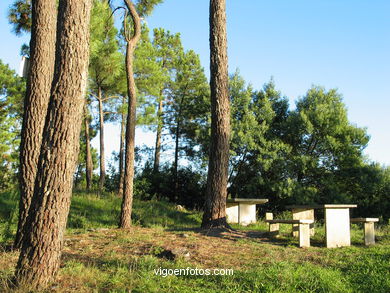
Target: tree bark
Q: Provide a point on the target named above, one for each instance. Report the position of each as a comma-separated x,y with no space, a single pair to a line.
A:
176,161
102,177
217,177
39,80
39,258
127,202
157,151
121,152
88,154
77,178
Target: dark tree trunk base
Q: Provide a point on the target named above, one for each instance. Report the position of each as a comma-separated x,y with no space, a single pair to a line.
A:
216,223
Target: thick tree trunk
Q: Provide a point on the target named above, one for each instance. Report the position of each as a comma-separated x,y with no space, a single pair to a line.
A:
121,152
127,203
102,177
157,151
39,258
217,177
88,154
42,50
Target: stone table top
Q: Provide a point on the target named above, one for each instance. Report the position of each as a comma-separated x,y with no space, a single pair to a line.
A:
358,220
322,206
247,200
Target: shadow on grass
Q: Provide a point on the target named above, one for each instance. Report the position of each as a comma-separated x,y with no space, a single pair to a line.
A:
254,235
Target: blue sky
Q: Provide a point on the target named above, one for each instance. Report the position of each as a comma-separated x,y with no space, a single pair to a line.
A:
333,43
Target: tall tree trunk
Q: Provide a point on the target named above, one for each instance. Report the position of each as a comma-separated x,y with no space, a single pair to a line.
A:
127,203
157,151
217,177
40,77
88,154
121,151
39,258
102,177
77,176
176,161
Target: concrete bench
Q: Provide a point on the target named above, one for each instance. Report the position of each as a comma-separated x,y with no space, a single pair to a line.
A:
303,228
369,229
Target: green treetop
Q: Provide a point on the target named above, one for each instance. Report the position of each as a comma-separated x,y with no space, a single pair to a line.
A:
12,89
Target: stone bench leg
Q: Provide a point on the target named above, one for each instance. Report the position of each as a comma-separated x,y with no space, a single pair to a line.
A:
302,214
274,230
304,235
369,233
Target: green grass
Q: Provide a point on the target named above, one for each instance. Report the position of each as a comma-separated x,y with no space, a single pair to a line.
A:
91,211
111,260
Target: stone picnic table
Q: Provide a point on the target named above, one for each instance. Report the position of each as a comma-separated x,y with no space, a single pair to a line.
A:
337,221
242,210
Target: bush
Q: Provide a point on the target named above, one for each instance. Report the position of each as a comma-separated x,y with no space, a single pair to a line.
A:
188,190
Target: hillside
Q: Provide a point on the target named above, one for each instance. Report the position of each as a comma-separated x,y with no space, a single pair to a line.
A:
98,257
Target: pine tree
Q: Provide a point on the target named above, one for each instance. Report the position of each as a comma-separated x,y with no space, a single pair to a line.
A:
42,244
187,106
39,81
19,15
12,91
88,156
104,68
168,48
217,177
132,36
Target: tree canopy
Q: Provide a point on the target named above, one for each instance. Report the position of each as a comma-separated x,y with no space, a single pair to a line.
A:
12,89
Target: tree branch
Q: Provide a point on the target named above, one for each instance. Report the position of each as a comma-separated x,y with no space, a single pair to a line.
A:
111,97
136,22
94,96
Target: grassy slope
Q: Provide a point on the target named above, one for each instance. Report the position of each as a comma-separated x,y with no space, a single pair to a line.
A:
100,258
